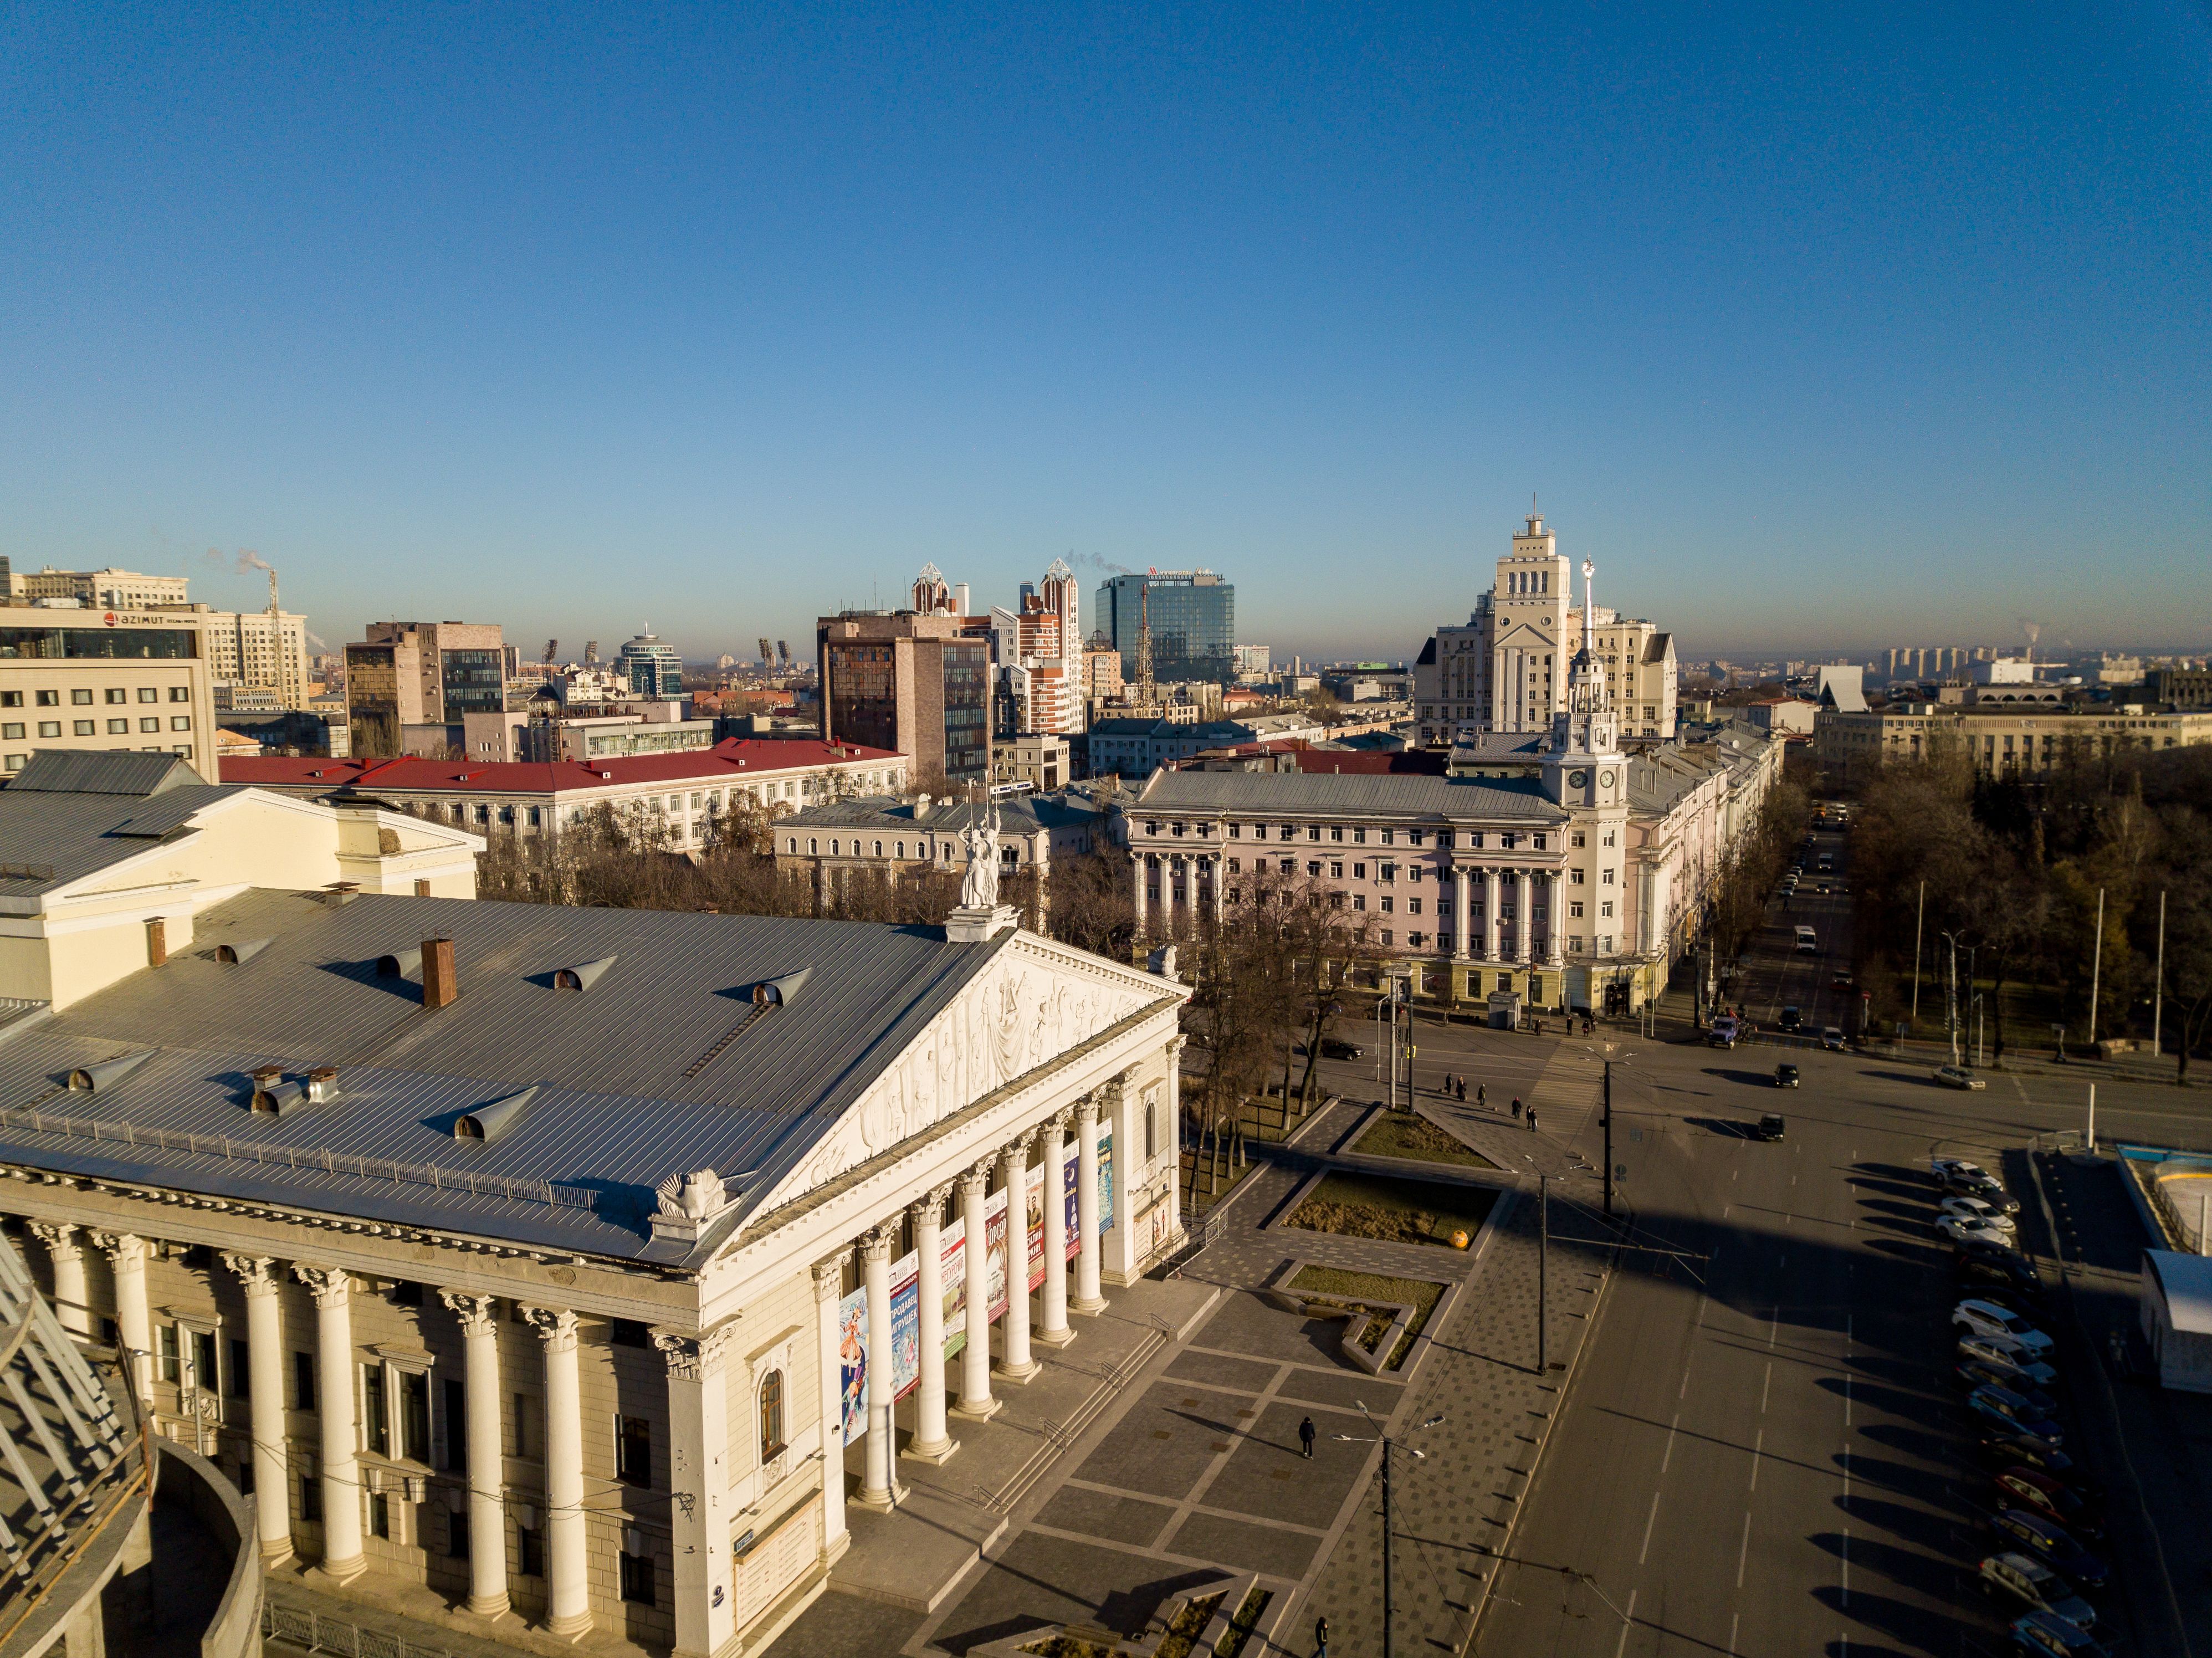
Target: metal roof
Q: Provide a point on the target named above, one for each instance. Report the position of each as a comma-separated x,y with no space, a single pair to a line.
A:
1348,795
663,1065
50,837
733,760
105,771
1018,814
2186,1281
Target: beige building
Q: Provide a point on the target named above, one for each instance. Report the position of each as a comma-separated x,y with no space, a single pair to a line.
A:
1506,669
101,590
410,685
1998,737
251,647
107,862
451,1260
104,680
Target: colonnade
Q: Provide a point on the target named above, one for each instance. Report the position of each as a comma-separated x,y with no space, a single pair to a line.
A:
1524,881
1168,864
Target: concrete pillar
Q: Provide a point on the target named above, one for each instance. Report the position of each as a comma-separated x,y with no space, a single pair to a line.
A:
71,1303
828,1287
264,1389
1555,909
976,1402
568,1589
341,1471
1524,915
1016,1364
1174,1199
875,1490
1220,865
698,1470
1088,1300
1490,890
487,1455
932,1441
1055,1333
1136,861
1462,921
134,1319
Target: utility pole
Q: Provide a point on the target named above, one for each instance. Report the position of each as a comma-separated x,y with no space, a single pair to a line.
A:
1383,1439
2097,966
1543,1272
2158,981
1608,1139
1919,914
2093,1116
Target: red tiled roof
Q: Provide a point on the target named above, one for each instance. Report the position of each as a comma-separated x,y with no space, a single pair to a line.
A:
732,758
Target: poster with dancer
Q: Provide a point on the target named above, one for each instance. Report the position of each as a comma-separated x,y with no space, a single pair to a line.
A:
853,1355
1033,1210
995,1251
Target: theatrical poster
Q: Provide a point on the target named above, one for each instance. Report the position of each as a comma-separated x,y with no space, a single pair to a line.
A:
954,1260
1033,1207
995,1251
852,1342
852,1351
1068,1171
906,1324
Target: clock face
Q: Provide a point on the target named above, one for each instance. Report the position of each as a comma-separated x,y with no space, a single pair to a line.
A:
1578,779
1605,778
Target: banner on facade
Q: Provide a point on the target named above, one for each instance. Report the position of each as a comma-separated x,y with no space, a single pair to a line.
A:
906,1324
1105,1182
852,1356
1069,1172
954,1257
1033,1211
995,1252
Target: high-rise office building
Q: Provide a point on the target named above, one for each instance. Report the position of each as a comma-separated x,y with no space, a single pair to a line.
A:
917,685
419,675
102,590
1192,616
113,679
654,670
252,648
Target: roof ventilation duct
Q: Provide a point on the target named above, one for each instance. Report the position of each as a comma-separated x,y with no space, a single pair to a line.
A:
401,963
105,1073
780,992
583,977
322,1084
273,1097
488,1122
244,951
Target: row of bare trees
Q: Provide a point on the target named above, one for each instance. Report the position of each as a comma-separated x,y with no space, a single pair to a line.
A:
2013,867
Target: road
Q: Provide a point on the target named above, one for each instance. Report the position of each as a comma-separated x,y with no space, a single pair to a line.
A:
1764,1453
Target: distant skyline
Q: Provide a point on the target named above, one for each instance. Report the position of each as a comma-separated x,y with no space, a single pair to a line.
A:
1818,331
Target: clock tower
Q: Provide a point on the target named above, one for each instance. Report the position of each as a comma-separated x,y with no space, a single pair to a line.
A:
1585,770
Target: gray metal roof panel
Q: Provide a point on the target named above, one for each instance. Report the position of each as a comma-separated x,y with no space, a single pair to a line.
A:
103,771
1350,793
77,834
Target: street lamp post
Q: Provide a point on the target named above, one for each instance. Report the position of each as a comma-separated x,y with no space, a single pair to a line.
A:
1383,1439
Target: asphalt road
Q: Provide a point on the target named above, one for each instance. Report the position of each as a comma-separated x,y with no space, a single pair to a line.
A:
1763,1452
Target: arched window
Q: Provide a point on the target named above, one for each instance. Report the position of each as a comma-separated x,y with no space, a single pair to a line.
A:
771,1416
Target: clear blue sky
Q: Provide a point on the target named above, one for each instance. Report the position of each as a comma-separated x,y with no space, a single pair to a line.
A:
1819,327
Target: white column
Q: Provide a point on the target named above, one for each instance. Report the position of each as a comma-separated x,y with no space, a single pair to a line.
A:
1490,890
1221,866
487,1455
1088,1300
1017,1365
71,1305
1174,1130
829,1363
975,1400
264,1390
1137,862
698,1464
1524,915
1555,908
570,1590
134,1319
932,1441
1462,921
875,1490
341,1470
1055,1333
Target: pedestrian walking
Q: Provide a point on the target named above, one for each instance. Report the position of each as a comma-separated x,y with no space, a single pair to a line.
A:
1320,1637
1532,1119
1306,1438
1482,1095
1516,1107
1462,1090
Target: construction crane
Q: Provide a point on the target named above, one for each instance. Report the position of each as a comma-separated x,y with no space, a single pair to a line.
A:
1145,644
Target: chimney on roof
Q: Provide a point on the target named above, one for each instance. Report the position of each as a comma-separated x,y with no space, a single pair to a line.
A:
440,986
157,941
322,1084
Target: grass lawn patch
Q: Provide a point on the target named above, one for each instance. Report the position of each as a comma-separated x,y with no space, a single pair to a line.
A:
1404,1134
1394,1210
1367,1291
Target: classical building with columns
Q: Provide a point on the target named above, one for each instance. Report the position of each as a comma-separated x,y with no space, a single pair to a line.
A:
1574,880
587,1266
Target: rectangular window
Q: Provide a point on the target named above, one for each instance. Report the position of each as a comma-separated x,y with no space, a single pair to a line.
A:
1336,869
118,727
457,1534
1387,902
525,1411
456,1401
634,1450
80,698
242,1385
311,1498
11,698
13,730
1413,907
181,694
117,694
148,693
414,1416
380,1515
375,1419
303,1382
167,1365
203,1360
180,722
636,1573
50,728
1385,936
529,1552
151,722
84,727
1575,907
1606,908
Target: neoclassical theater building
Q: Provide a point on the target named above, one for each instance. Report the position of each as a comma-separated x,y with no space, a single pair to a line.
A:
587,1265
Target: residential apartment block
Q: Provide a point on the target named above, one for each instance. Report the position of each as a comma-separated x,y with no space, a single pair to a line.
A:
95,590
410,685
253,648
918,684
1999,736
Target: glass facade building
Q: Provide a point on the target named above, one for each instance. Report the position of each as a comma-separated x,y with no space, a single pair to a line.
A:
1194,623
473,681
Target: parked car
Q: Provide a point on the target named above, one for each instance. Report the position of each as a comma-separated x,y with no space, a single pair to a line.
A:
1831,1038
2003,1408
2000,1449
1980,1183
2048,1541
1335,1048
2033,1400
2024,1488
2046,1632
1959,1228
1792,1019
1957,1076
1990,1318
1769,1127
1982,1273
1968,1208
1785,1075
2001,1356
2044,1590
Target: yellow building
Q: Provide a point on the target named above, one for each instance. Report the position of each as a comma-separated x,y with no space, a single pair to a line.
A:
1998,738
104,680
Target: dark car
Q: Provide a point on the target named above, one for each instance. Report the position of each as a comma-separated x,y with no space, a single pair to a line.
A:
2024,1488
2048,1541
1841,981
1792,1019
2008,1412
1985,1261
1970,1373
1769,1127
2000,1450
1785,1075
1335,1048
2050,1635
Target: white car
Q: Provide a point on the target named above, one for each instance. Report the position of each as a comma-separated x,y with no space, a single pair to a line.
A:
1957,1076
2003,1353
1967,1229
1941,1167
1986,1318
1975,1209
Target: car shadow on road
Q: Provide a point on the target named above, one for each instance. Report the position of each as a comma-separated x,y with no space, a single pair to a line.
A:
1923,1630
1726,1127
